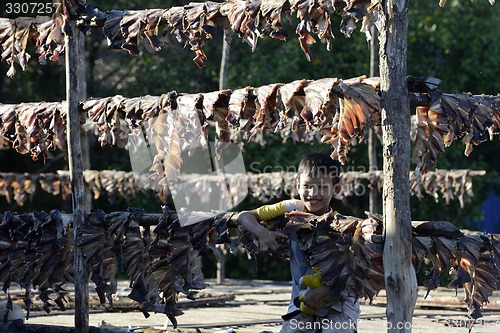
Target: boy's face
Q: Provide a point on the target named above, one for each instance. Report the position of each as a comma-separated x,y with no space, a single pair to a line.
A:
316,192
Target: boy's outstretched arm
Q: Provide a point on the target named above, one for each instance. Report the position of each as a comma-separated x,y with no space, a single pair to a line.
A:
268,240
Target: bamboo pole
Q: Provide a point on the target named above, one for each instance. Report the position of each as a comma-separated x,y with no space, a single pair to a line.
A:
76,176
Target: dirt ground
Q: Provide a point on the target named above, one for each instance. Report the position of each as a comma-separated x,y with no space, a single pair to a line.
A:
256,306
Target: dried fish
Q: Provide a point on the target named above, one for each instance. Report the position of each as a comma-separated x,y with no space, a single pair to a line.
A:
190,24
339,110
36,252
440,184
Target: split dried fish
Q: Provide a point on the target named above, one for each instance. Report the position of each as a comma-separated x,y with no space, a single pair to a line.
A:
191,24
442,185
36,252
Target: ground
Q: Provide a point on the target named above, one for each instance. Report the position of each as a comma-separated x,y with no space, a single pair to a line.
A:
255,306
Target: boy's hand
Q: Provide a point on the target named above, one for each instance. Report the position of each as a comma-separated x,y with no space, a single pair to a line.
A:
315,292
304,308
268,240
314,298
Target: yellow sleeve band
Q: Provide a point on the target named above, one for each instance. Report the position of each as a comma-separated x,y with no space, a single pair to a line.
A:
269,212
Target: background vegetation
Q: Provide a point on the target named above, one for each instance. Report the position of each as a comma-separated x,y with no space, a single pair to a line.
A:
457,44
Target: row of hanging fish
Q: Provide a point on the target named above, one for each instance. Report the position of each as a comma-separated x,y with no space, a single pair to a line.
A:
445,184
442,185
470,118
20,188
191,25
36,251
340,111
45,33
34,128
357,270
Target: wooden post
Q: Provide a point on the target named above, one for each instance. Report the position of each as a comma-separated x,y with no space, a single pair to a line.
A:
224,63
76,176
400,278
372,138
82,95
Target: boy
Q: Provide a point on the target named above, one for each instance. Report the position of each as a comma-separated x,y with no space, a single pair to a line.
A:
318,177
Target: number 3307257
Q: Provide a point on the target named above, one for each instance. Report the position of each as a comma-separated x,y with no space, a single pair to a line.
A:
37,8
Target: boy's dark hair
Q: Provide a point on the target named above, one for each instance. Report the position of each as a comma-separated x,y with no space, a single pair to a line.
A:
316,163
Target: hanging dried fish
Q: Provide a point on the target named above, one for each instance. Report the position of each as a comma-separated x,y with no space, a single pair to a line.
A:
197,21
190,24
292,98
35,128
359,106
473,119
440,184
314,18
243,16
124,28
46,34
104,112
216,107
14,36
339,110
53,248
36,252
472,258
271,11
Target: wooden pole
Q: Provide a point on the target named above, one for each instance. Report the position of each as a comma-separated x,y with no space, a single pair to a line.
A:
400,278
372,137
441,227
76,176
82,95
224,65
224,62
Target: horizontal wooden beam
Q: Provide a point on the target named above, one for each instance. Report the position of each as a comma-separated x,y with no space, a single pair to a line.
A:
426,228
